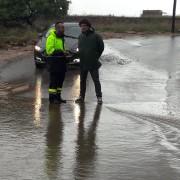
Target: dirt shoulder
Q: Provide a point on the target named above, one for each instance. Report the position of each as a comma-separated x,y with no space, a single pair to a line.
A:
12,53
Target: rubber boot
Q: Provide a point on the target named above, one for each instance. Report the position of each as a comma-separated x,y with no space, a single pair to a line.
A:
59,98
53,99
79,100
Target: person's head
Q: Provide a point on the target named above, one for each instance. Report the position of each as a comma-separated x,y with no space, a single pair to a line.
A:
59,27
85,25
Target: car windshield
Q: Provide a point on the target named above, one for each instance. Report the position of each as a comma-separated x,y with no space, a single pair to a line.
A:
72,31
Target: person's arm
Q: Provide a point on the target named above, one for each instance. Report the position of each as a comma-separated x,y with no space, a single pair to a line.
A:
50,45
79,40
100,44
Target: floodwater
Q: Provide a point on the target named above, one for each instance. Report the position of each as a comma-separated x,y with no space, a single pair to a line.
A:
134,135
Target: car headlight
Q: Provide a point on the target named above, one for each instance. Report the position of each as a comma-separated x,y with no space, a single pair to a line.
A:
37,48
77,50
76,60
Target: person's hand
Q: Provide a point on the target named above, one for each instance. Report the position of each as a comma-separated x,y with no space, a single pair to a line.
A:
58,53
67,52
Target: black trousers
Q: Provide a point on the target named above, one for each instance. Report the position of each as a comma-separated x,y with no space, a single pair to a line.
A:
95,78
56,82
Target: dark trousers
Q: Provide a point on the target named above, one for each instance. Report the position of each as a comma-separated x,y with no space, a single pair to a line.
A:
56,82
95,77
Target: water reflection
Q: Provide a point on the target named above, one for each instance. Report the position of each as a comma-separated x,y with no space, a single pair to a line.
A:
38,101
78,110
75,85
86,154
54,140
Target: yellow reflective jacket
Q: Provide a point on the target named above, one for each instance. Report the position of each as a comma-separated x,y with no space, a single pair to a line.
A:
54,43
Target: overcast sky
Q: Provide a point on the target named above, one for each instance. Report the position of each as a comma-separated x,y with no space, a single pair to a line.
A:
120,7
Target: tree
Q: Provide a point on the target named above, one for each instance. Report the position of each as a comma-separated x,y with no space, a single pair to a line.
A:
28,10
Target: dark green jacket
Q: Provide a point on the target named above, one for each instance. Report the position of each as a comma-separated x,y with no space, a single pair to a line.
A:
91,47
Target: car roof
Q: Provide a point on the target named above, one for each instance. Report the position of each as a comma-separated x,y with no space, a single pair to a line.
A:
68,24
71,23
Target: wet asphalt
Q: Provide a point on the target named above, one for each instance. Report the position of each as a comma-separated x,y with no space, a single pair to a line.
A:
134,135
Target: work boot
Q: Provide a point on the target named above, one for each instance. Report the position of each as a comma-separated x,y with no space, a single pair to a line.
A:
59,98
79,100
53,99
99,100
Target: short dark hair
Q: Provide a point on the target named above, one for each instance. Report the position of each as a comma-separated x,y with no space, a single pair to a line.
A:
58,22
85,21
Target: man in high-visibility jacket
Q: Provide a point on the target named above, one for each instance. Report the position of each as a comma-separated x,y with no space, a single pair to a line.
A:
56,62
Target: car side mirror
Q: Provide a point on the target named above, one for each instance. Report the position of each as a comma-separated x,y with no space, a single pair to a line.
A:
40,35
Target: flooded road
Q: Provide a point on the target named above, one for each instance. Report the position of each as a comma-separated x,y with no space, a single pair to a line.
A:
134,135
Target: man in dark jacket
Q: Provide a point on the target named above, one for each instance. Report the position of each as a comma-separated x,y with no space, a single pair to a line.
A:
91,47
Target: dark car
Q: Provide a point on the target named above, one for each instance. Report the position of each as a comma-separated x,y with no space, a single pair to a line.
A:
72,32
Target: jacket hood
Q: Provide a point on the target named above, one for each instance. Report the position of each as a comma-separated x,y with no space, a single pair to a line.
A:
91,30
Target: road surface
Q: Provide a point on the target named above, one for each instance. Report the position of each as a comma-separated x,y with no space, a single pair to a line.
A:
134,135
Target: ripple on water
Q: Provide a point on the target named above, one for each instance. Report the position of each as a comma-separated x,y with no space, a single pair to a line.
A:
111,55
